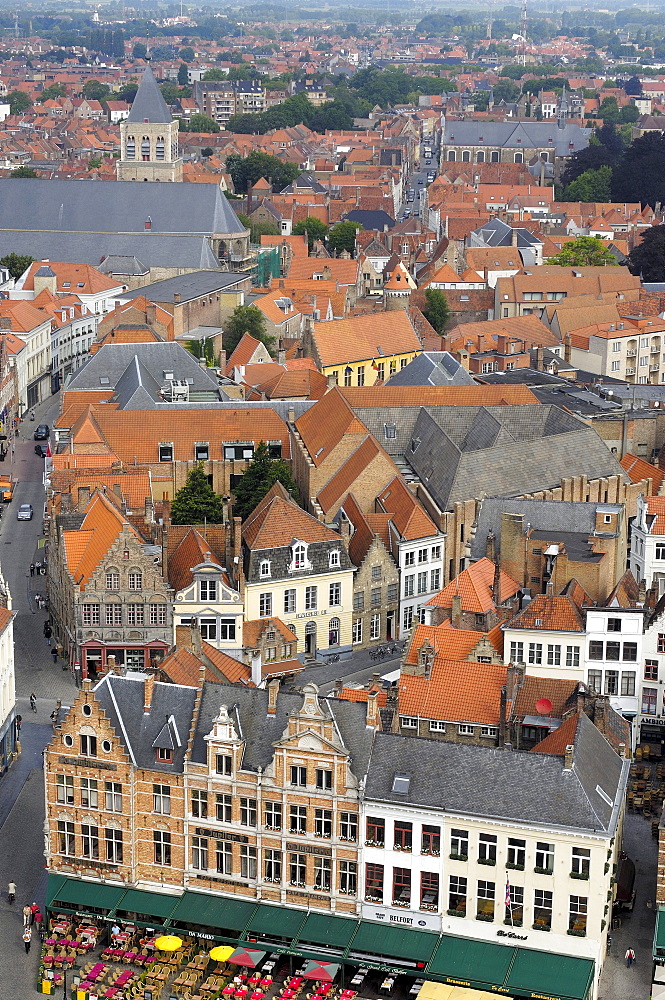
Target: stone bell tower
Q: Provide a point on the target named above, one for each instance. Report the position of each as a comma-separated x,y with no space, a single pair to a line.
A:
149,137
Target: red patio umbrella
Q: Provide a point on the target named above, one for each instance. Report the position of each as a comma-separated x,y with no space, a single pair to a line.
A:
246,956
324,972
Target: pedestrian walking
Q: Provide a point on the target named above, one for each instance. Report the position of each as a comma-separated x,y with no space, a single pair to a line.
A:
38,567
33,701
54,654
17,721
609,943
54,717
27,938
34,908
630,957
32,569
27,914
38,921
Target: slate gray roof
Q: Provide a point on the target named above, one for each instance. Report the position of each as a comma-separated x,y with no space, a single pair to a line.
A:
495,233
464,452
501,784
140,364
100,210
505,135
248,707
187,286
551,517
114,264
149,104
432,368
369,219
122,699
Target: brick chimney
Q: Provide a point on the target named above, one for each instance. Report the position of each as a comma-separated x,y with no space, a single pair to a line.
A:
273,691
148,688
373,720
456,616
176,297
568,759
490,545
150,313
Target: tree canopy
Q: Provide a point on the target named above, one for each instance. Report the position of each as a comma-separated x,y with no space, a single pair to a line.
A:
647,259
592,185
641,174
584,251
342,236
16,263
249,169
18,102
436,311
261,473
95,90
199,123
313,228
245,319
23,172
196,501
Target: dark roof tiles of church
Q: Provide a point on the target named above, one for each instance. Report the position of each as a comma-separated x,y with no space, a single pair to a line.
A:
149,104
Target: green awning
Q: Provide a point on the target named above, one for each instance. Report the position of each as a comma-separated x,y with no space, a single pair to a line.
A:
557,976
275,922
659,935
322,929
87,895
148,904
480,963
213,911
54,884
388,941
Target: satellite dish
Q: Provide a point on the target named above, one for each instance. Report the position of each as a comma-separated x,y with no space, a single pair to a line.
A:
544,706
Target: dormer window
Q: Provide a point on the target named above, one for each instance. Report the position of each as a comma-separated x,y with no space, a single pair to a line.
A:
299,556
264,568
166,452
334,558
208,590
164,755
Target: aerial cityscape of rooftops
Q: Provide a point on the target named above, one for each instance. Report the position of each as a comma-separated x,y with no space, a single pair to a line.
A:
332,501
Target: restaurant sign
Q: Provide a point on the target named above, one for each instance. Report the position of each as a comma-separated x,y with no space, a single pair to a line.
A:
403,918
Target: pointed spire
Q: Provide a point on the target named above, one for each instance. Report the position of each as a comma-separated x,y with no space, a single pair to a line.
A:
149,104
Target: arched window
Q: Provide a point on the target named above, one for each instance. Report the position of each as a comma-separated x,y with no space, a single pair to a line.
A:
495,156
519,157
466,156
159,148
333,632
264,568
452,155
299,555
480,156
145,147
130,147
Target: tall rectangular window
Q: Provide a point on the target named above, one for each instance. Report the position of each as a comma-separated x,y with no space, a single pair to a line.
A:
247,811
323,823
515,905
224,857
401,886
297,869
535,652
298,819
374,883
289,601
113,796
516,853
376,831
542,908
348,826
265,605
248,861
487,848
572,656
90,841
66,840
431,840
200,853
335,594
375,627
157,614
299,776
581,859
199,804
162,847
88,745
457,888
348,877
89,794
324,778
273,815
429,891
422,583
517,652
272,865
459,845
114,844
223,764
65,789
310,598
403,835
544,857
553,655
486,895
322,873
577,915
161,799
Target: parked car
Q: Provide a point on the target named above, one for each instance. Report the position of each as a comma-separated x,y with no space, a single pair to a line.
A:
24,512
41,449
42,432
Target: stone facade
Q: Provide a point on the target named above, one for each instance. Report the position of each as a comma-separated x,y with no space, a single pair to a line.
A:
375,598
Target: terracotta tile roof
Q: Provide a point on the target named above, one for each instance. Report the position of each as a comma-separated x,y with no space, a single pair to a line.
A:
135,435
561,693
656,515
252,630
361,694
324,425
192,550
365,338
85,548
73,404
67,461
89,277
559,614
626,594
182,666
639,469
443,395
474,586
352,469
23,315
557,741
303,384
455,691
276,523
243,353
233,670
451,643
132,485
406,512
362,536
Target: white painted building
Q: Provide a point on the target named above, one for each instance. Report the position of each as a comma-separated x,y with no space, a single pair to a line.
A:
647,546
8,734
496,846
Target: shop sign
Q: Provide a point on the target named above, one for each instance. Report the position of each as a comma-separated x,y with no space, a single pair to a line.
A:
311,614
404,918
512,934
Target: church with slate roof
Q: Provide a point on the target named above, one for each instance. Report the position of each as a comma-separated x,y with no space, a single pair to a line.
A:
149,137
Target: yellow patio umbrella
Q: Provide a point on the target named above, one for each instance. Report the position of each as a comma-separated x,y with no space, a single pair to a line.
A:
168,942
221,952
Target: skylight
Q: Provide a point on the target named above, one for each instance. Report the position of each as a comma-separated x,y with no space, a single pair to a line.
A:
401,784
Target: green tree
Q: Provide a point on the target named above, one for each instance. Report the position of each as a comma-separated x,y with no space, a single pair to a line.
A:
261,473
18,102
94,161
249,169
16,263
245,319
128,91
585,251
52,93
196,501
140,51
313,227
505,90
183,79
258,229
214,74
640,175
436,310
95,90
187,54
23,172
633,86
647,259
592,185
342,236
201,123
629,114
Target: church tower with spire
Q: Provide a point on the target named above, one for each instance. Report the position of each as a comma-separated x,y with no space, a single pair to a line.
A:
149,137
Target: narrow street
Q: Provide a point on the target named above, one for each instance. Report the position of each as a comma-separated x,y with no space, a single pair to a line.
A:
22,787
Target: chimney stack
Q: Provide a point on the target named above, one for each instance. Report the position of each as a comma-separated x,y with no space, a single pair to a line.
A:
568,760
176,297
490,545
273,691
256,664
373,719
456,615
148,687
